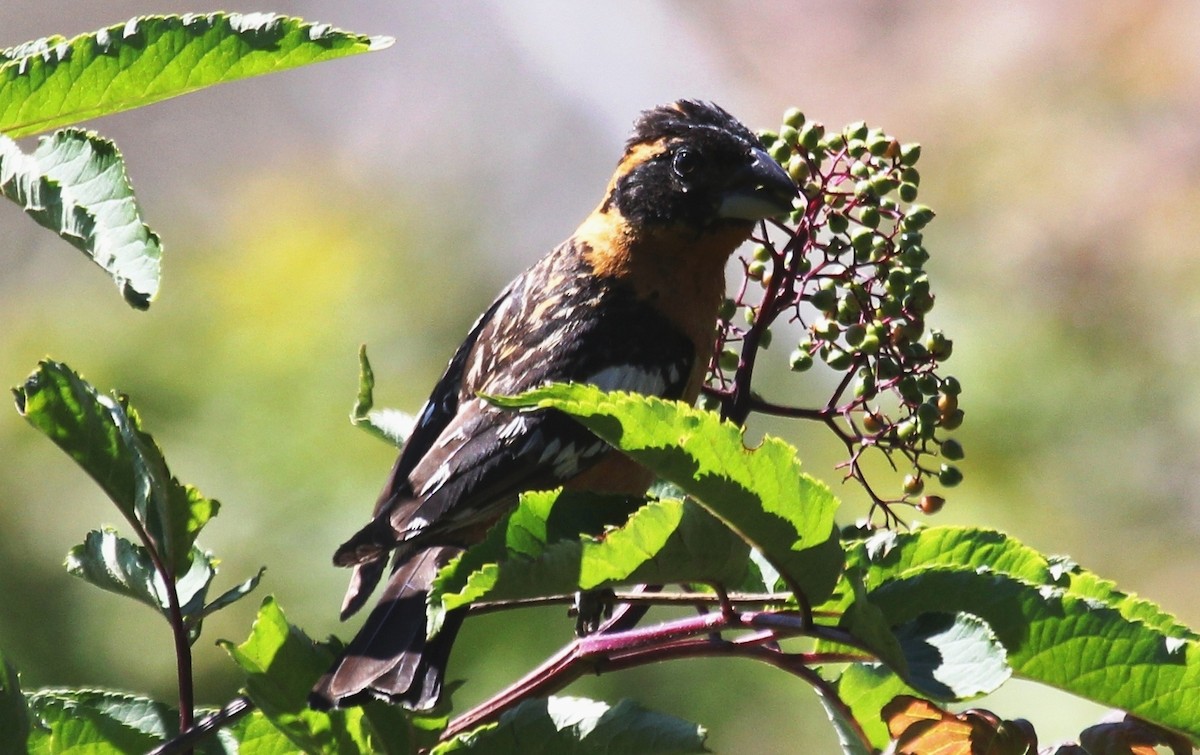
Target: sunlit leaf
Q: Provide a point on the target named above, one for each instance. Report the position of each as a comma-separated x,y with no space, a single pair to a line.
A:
556,543
74,183
952,656
1061,627
54,82
391,425
97,721
760,493
281,665
102,434
578,726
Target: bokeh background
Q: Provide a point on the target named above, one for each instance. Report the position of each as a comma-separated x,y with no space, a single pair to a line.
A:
385,198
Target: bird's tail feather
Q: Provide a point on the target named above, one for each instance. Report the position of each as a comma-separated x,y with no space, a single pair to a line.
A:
390,658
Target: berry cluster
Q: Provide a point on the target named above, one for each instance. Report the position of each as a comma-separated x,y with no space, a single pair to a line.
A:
848,267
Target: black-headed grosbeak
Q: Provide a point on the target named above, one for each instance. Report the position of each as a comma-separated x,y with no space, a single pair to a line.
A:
628,302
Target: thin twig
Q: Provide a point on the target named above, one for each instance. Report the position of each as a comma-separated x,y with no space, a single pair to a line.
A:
205,727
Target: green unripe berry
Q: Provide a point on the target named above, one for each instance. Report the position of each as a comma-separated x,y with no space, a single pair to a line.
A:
800,360
860,170
827,329
793,117
756,269
780,152
729,360
951,386
949,475
910,153
837,223
869,216
790,135
939,346
908,192
910,176
860,239
952,449
855,334
838,359
863,190
762,253
798,169
908,390
953,420
824,300
833,142
856,130
917,217
810,135
864,387
767,136
883,185
879,143
928,415
727,309
906,430
764,340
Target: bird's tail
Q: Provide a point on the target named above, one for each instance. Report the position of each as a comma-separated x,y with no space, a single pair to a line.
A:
390,658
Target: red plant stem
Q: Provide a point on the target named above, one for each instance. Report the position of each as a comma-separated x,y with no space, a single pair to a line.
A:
183,647
603,653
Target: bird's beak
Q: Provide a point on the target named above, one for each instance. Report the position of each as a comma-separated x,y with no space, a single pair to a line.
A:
759,190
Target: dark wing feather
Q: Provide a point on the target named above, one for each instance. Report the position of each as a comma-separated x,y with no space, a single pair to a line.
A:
439,410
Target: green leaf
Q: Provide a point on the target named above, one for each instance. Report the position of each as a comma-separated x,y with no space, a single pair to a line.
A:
1060,626
391,425
557,543
865,688
254,734
282,664
113,563
54,82
14,711
97,721
952,656
849,731
578,726
760,493
102,434
75,184
234,594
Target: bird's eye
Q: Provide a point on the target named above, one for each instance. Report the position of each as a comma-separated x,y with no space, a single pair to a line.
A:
686,162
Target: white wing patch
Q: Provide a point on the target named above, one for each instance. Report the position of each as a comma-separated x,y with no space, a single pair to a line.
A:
627,377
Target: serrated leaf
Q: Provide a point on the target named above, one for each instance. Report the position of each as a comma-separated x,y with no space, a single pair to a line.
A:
254,734
1066,630
51,83
113,563
14,711
760,493
952,656
97,721
102,434
74,183
578,726
281,665
556,543
391,425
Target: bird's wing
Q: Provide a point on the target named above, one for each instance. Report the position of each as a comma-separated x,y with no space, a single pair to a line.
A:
557,322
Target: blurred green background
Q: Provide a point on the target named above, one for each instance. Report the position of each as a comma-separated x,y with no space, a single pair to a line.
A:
385,199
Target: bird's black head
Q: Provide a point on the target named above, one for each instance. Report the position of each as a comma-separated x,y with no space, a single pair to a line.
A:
691,163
